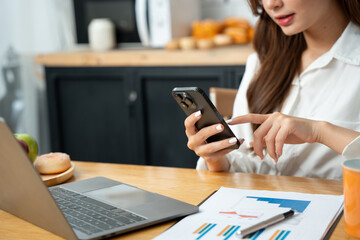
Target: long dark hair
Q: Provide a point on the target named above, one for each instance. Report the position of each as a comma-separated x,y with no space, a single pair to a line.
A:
280,58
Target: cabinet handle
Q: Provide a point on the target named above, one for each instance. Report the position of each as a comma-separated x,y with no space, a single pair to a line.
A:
132,96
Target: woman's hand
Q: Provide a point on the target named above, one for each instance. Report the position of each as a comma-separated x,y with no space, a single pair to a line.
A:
277,129
213,153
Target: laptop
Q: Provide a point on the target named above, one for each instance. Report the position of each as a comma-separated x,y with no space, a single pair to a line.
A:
88,209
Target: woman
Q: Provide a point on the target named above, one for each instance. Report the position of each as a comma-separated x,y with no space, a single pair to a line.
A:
307,64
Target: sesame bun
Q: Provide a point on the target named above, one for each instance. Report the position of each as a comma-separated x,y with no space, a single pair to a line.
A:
52,163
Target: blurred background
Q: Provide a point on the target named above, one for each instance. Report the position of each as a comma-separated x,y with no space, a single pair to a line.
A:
32,27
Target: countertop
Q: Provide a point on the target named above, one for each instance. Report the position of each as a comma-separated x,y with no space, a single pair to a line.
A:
84,57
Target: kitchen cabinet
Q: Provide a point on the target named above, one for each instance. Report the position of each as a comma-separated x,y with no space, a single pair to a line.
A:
126,114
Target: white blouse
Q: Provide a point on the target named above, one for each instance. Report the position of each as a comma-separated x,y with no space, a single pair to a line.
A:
352,150
328,90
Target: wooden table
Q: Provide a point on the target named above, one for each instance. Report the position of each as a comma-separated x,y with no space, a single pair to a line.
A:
187,185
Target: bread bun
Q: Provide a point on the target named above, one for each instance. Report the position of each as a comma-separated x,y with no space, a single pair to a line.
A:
237,22
52,163
172,45
222,40
187,43
204,44
238,35
206,28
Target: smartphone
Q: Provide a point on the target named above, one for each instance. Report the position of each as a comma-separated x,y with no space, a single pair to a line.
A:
193,99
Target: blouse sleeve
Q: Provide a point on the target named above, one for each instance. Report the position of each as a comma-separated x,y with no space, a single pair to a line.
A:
236,157
352,150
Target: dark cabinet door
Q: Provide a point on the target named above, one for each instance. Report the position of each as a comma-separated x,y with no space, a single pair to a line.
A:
90,114
162,119
237,76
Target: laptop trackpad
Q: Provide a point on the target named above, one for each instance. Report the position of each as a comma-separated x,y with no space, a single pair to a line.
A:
123,196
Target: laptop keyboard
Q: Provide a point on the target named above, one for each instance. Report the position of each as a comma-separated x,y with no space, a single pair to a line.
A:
89,215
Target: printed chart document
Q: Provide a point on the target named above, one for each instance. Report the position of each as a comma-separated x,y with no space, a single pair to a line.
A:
230,209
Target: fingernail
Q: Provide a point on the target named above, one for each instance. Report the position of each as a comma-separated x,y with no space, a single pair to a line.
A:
198,113
228,121
232,140
219,127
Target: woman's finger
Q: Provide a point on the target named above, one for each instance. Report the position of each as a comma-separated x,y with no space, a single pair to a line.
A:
218,154
200,137
249,118
259,136
190,123
281,137
270,141
210,149
209,131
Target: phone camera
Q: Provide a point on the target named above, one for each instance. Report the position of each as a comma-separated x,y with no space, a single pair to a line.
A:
184,105
188,101
185,101
178,97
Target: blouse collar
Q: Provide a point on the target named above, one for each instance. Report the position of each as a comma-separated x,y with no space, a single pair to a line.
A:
347,47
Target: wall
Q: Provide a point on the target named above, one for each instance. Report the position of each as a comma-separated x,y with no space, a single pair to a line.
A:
35,26
31,27
220,9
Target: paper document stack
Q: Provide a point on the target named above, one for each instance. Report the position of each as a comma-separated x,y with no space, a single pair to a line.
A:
230,210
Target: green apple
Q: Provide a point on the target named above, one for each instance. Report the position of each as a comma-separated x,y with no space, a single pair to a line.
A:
28,141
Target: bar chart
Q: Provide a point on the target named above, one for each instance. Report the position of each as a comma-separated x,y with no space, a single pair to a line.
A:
228,231
204,229
298,205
